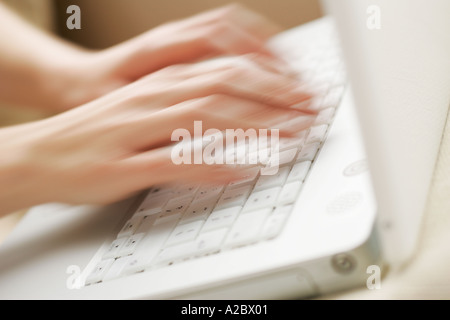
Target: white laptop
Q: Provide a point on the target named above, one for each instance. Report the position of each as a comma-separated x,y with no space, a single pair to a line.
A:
347,199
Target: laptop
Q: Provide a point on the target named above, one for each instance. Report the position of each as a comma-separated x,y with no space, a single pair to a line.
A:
346,202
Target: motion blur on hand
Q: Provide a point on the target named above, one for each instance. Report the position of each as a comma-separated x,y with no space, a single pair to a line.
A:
118,107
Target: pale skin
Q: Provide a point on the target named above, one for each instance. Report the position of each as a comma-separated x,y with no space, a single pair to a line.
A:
117,108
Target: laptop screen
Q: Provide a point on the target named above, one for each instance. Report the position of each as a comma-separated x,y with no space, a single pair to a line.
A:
397,57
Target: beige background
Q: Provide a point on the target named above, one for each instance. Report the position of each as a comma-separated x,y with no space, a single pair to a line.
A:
106,22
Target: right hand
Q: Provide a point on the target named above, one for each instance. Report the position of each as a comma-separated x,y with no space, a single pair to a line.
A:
119,144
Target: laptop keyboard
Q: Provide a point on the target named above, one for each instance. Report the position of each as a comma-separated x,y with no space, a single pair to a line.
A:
178,223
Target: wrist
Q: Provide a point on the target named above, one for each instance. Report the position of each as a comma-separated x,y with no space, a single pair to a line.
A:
80,77
61,77
18,178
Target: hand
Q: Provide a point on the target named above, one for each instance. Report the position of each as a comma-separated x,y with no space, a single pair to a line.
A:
231,30
121,143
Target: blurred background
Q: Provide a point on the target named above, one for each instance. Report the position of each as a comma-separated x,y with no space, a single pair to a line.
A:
107,22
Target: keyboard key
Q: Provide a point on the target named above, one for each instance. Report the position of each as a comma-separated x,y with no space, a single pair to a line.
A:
99,271
299,171
258,158
247,228
297,122
254,156
174,209
325,116
116,268
209,242
130,245
198,211
143,258
114,248
275,223
262,199
184,232
153,204
185,190
247,177
164,218
308,152
208,192
291,143
146,223
136,263
283,210
234,197
236,153
317,134
206,243
265,182
285,157
149,247
175,206
130,227
157,191
289,193
221,219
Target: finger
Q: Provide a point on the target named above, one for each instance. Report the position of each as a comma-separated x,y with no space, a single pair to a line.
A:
229,30
241,78
255,84
157,166
218,112
256,60
274,64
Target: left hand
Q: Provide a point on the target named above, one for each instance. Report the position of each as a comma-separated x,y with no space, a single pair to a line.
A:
230,30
